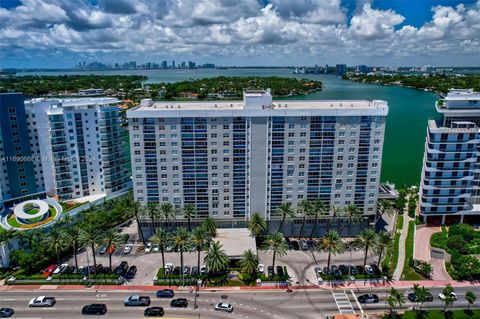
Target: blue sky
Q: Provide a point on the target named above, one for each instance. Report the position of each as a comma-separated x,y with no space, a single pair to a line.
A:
59,33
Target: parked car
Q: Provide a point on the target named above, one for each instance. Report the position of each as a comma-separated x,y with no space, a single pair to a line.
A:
68,270
131,272
311,243
179,303
318,271
168,268
223,306
176,270
94,309
369,270
295,245
368,298
204,270
6,312
186,270
261,268
137,300
326,271
127,249
443,297
102,250
280,271
60,269
343,269
270,271
413,297
165,293
303,244
335,271
49,270
42,301
194,271
121,269
353,270
154,312
148,247
156,248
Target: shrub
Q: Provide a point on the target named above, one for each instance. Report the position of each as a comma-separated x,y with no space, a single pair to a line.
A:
457,243
467,232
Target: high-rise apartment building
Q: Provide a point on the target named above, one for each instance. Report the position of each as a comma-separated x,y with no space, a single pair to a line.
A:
341,69
82,145
450,188
231,159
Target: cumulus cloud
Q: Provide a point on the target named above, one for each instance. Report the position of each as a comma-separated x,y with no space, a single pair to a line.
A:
281,28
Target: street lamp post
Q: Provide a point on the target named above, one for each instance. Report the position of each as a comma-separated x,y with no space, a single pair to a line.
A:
198,283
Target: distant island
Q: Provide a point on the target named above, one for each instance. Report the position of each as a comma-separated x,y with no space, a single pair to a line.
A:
437,83
132,87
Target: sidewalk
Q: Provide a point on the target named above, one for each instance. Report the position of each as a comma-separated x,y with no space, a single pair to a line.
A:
401,247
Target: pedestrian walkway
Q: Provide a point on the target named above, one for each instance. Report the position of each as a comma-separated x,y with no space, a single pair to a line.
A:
401,247
343,302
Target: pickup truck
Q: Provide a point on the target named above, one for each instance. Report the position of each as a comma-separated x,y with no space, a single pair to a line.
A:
42,301
137,300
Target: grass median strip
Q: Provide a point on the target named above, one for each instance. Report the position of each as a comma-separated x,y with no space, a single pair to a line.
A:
408,273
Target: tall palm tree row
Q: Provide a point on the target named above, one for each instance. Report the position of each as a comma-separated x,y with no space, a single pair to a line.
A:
180,242
216,259
305,210
111,239
249,262
199,241
257,225
319,209
73,239
285,211
368,241
332,243
189,212
135,209
167,212
276,244
161,238
89,237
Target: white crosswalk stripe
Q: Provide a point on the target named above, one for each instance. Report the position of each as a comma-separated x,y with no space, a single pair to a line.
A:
343,302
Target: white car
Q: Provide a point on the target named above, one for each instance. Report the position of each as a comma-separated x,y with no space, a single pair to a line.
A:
443,297
318,271
223,306
42,301
127,249
369,270
148,247
59,269
261,268
156,248
168,266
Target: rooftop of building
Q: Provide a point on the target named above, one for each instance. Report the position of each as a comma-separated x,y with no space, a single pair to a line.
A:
456,127
74,102
462,95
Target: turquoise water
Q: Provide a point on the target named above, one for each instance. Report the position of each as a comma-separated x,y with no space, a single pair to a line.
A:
406,121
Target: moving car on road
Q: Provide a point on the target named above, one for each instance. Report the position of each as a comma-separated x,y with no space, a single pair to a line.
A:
6,312
94,309
368,298
154,312
137,300
223,306
179,303
165,293
443,297
413,297
42,301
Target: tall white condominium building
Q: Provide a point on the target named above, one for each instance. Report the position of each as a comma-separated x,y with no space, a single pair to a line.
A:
231,159
450,188
81,144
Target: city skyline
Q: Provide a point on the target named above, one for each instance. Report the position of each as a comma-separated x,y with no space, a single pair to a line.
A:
60,33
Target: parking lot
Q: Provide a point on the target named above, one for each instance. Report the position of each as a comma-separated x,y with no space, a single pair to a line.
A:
300,263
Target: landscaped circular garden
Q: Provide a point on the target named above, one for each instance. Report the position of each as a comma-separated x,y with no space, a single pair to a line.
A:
32,214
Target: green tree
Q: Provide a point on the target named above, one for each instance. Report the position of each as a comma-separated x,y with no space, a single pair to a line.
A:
395,299
384,208
73,239
256,225
319,208
111,239
90,238
449,299
366,240
210,227
189,212
199,240
304,209
471,297
276,243
384,241
351,214
332,243
180,242
135,208
215,258
161,238
151,211
167,212
55,241
248,262
285,211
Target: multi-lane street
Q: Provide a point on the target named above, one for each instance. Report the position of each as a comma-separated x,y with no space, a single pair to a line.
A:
304,304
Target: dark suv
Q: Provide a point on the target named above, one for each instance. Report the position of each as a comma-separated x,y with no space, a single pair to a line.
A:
165,293
121,269
95,309
179,303
154,312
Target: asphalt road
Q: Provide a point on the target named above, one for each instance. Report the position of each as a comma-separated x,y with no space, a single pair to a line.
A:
302,304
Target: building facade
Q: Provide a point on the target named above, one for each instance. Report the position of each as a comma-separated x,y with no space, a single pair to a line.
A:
450,187
231,159
82,144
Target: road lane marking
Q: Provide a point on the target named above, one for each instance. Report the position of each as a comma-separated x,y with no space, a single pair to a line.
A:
343,302
358,303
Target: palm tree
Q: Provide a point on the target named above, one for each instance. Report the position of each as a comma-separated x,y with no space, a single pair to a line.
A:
209,227
167,212
305,209
366,240
111,239
319,208
189,212
276,243
336,210
135,208
353,215
216,259
151,210
384,207
285,211
90,238
395,298
180,241
383,242
471,297
256,225
73,239
449,299
248,262
422,295
199,240
331,242
55,242
162,239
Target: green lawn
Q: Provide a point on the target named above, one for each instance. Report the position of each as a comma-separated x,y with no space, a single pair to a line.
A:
438,314
400,222
408,273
